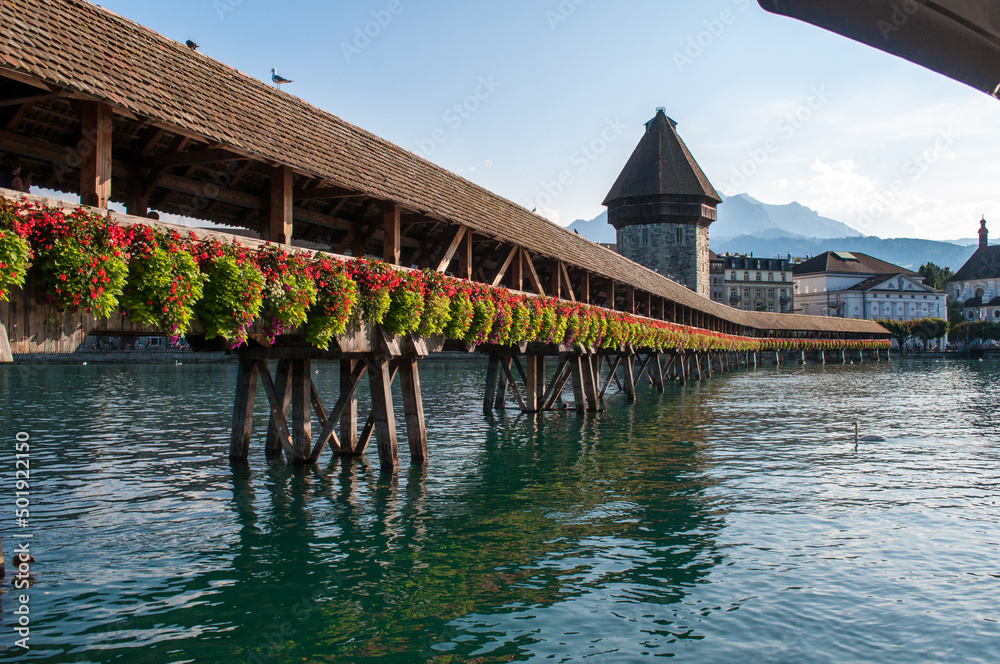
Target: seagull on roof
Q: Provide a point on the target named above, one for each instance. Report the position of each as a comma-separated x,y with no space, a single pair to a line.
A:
191,45
278,79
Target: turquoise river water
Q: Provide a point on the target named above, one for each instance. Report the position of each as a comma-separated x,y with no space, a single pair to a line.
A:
728,521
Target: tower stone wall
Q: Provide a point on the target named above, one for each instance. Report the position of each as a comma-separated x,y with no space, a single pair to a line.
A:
677,251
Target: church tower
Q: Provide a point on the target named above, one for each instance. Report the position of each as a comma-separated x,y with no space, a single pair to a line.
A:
662,205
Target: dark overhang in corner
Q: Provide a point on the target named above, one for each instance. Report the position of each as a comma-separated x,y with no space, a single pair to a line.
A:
957,38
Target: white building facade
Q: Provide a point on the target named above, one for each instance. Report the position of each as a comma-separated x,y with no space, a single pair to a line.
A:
977,283
855,285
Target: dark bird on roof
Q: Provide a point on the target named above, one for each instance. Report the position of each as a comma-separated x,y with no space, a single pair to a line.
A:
191,45
278,79
576,231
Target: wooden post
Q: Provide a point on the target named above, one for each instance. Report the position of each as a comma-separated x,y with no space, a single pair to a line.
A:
283,389
535,371
585,287
301,411
349,420
6,357
491,383
246,390
590,383
391,233
500,403
684,371
629,373
611,294
136,204
465,256
557,279
413,407
380,382
279,223
95,153
576,365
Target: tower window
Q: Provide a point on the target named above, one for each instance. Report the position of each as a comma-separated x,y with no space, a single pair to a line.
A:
680,236
645,236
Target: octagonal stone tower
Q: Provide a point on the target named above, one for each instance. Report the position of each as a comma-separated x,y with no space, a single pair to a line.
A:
662,205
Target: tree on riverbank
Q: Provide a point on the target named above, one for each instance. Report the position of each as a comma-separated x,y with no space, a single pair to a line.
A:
921,328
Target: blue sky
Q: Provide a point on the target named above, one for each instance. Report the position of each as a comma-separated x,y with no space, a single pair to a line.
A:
544,101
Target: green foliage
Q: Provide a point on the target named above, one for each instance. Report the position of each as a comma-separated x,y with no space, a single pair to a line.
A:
406,305
233,298
900,330
935,276
930,328
289,289
956,312
15,257
461,314
483,312
164,283
336,295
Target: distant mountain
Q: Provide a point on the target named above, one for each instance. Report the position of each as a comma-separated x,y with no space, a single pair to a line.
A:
743,215
596,230
779,230
905,252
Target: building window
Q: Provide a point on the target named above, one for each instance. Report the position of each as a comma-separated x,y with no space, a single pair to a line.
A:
784,277
746,293
733,278
680,236
746,276
770,276
758,292
758,276
645,236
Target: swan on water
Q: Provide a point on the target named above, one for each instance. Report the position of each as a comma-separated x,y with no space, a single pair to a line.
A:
868,439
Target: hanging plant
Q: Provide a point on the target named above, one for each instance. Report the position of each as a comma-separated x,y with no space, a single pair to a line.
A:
483,312
406,304
81,259
336,296
460,313
15,254
376,281
438,294
164,281
289,289
233,296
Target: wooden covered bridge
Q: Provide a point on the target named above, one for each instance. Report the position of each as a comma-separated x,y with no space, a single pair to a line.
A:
97,106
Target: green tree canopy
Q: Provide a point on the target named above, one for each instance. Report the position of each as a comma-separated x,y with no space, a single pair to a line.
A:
935,276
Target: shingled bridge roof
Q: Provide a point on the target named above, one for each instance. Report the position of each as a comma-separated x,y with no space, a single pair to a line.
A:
162,91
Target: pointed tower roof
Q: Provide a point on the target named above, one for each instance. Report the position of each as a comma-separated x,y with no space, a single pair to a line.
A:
662,165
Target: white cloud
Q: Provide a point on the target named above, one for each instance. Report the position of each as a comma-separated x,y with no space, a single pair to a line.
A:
780,185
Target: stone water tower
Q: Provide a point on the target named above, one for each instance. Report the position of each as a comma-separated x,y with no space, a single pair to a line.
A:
662,206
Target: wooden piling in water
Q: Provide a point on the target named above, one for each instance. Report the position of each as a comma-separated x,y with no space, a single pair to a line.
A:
246,391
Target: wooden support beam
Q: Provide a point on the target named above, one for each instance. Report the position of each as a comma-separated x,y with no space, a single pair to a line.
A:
579,397
301,412
94,151
136,198
630,299
556,278
246,390
502,272
536,283
567,285
505,366
348,400
284,433
192,158
380,382
517,270
453,245
585,288
465,256
535,383
611,294
31,99
491,383
283,390
500,402
349,393
563,374
413,408
629,377
323,418
611,376
590,383
18,116
282,206
391,229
